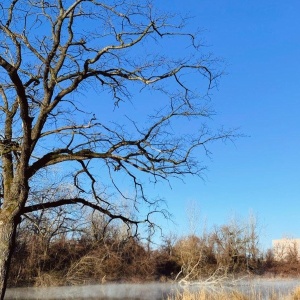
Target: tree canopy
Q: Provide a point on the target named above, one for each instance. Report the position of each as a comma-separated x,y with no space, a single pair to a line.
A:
62,63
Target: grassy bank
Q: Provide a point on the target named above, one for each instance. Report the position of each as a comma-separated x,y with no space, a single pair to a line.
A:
234,295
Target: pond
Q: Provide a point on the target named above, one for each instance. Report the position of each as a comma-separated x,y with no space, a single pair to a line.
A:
150,291
147,291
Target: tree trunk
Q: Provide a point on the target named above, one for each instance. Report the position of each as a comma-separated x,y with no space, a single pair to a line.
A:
7,240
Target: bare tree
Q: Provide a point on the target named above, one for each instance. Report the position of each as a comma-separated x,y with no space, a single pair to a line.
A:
237,245
52,53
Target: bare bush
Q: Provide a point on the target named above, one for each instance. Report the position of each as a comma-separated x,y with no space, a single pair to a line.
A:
194,256
237,246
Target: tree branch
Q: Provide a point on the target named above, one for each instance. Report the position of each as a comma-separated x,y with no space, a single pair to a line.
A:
84,202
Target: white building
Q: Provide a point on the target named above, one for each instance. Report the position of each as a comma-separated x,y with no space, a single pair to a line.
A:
286,248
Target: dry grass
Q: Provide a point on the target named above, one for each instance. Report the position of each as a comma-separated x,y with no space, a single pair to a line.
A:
203,295
296,294
47,279
232,295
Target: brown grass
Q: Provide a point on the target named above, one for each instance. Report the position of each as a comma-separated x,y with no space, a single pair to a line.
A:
232,295
203,295
296,294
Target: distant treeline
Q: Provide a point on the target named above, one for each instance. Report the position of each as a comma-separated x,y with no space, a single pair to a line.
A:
49,252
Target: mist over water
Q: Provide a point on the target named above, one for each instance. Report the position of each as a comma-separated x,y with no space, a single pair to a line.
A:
147,291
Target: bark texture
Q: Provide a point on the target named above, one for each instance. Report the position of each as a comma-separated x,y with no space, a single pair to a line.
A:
7,240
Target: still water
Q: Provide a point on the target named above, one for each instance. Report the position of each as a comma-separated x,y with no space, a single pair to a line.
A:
148,291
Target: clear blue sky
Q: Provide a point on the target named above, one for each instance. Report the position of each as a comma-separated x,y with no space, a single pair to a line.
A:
260,173
260,42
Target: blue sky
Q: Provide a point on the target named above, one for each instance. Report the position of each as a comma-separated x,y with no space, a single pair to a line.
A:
259,41
259,173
